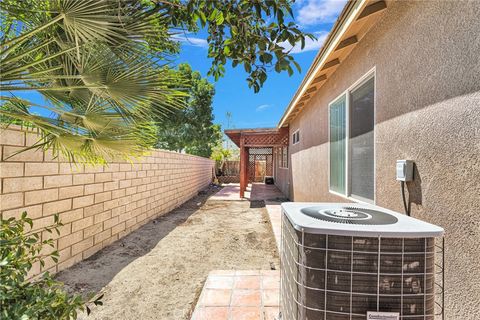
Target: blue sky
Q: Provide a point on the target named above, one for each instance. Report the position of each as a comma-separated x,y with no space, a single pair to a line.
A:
249,109
265,108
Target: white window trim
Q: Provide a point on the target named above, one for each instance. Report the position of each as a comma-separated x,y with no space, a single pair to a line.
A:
372,73
280,166
281,159
296,132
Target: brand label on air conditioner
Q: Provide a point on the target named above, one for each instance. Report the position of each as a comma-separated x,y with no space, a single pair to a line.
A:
375,315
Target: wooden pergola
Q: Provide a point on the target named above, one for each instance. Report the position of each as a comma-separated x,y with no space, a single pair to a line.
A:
255,138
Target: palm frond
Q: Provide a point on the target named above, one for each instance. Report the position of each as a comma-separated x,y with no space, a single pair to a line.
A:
88,59
91,137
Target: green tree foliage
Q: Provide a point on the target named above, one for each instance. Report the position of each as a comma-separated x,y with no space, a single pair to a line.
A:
100,64
254,33
219,153
42,298
6,108
191,128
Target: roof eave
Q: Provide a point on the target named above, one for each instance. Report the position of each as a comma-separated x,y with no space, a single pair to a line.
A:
345,19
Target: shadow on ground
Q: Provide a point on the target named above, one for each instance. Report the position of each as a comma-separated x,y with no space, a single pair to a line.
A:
99,269
158,271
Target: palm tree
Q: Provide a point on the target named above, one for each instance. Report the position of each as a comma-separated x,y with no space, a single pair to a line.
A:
96,64
99,64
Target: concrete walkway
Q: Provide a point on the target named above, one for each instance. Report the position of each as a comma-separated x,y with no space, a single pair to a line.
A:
274,211
266,192
244,294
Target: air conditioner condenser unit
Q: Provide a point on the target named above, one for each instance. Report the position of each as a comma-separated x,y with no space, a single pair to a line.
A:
340,261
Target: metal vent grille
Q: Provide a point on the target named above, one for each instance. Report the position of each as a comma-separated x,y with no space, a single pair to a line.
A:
330,277
350,215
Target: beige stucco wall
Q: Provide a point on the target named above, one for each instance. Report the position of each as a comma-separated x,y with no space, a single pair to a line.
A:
282,181
97,205
281,175
427,60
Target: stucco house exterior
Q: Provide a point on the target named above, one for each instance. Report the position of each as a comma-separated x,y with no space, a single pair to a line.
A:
395,80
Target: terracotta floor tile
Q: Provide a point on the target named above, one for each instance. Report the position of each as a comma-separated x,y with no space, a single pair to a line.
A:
247,282
247,272
242,298
271,297
198,314
270,282
219,282
216,313
210,313
216,297
270,272
271,313
222,272
245,313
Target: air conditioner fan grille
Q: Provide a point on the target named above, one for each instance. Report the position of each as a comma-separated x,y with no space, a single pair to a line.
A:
350,215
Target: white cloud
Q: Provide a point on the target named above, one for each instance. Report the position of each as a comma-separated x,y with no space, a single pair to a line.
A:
192,41
263,107
313,12
310,45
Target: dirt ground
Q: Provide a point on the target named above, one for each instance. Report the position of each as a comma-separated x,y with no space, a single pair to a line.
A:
158,271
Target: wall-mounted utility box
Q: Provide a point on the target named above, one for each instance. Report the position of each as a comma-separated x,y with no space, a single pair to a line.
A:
404,170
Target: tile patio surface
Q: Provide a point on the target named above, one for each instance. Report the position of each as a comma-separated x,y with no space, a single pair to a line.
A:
255,191
260,191
231,192
244,294
239,295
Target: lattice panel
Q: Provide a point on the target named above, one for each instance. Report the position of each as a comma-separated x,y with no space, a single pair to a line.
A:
269,168
284,140
260,164
259,151
266,139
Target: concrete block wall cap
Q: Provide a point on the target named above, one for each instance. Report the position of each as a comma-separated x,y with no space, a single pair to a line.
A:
97,204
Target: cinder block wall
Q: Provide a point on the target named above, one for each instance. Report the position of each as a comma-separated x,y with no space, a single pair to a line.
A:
97,205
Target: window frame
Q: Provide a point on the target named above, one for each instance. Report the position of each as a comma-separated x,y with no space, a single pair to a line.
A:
277,162
347,93
283,162
341,96
296,137
285,157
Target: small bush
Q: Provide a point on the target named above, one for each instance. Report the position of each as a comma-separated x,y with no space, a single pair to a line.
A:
39,298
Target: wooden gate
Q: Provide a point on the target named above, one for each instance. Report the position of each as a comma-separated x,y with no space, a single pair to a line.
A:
260,164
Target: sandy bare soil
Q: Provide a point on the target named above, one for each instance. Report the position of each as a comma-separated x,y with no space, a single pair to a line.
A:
157,272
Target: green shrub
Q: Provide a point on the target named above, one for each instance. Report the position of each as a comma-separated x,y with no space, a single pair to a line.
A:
39,298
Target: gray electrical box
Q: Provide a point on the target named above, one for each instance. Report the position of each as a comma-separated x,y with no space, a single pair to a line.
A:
404,170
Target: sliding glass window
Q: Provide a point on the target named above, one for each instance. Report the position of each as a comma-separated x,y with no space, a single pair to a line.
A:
352,173
361,141
338,144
